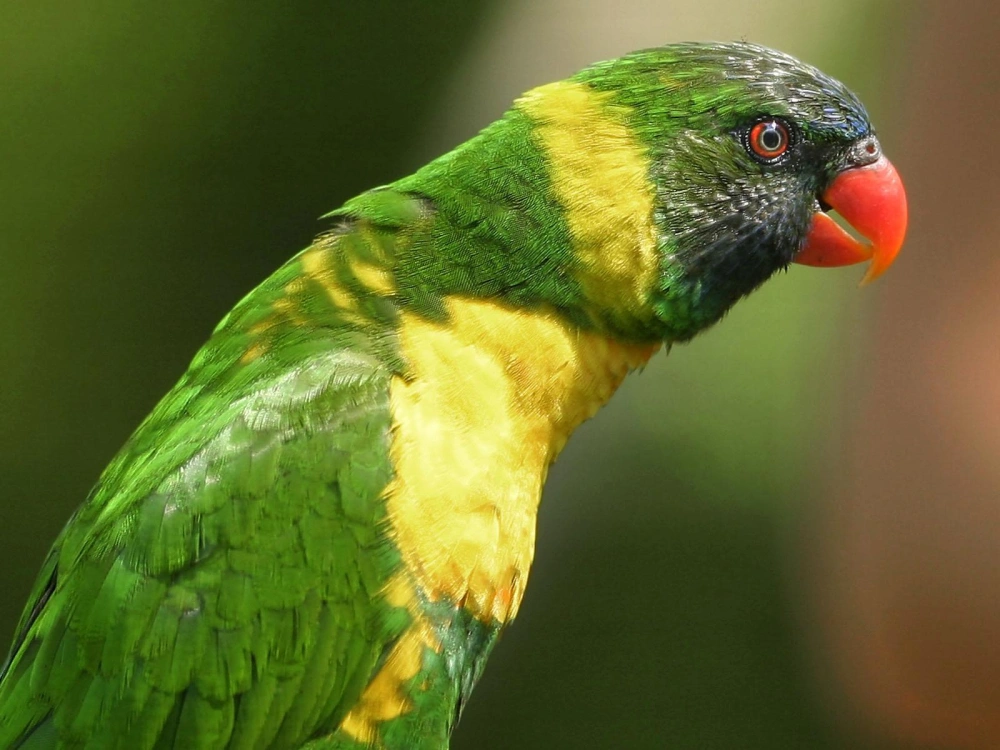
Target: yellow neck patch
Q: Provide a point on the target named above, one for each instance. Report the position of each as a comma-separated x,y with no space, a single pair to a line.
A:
491,398
600,175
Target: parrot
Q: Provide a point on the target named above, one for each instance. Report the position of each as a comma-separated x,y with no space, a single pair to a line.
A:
317,537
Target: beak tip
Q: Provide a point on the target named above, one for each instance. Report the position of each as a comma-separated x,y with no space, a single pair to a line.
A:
870,275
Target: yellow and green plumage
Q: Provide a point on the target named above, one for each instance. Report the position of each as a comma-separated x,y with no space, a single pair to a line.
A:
316,538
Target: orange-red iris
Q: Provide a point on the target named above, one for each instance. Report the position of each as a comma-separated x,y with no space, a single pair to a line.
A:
769,139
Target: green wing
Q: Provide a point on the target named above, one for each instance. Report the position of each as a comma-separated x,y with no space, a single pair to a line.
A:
220,587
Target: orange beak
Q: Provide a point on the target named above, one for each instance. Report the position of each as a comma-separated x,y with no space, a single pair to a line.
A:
872,200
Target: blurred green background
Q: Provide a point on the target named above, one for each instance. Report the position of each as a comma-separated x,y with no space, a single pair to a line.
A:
710,569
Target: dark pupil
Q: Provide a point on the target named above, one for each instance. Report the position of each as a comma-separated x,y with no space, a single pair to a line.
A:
770,139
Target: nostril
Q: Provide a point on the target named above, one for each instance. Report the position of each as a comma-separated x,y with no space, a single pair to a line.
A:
865,151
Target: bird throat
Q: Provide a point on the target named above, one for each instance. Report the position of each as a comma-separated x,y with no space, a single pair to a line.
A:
489,399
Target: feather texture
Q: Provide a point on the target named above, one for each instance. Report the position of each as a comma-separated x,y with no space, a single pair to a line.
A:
316,538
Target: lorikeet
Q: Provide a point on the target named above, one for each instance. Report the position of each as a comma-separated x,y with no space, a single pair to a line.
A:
316,538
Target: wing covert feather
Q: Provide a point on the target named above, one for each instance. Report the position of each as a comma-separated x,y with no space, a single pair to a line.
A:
231,599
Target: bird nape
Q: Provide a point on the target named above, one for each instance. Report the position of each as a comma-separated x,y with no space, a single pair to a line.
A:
317,536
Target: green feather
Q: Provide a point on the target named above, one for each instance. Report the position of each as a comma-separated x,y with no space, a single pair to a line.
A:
223,586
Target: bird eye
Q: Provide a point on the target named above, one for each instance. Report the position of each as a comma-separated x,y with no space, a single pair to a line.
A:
768,140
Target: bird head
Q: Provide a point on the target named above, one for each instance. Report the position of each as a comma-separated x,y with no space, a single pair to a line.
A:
749,150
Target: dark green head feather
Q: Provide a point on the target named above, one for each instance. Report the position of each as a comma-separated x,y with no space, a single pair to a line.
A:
729,221
491,225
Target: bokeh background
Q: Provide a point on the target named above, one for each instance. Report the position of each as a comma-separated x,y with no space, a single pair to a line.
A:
784,535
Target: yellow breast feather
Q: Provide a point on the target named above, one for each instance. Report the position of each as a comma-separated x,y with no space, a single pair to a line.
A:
490,399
